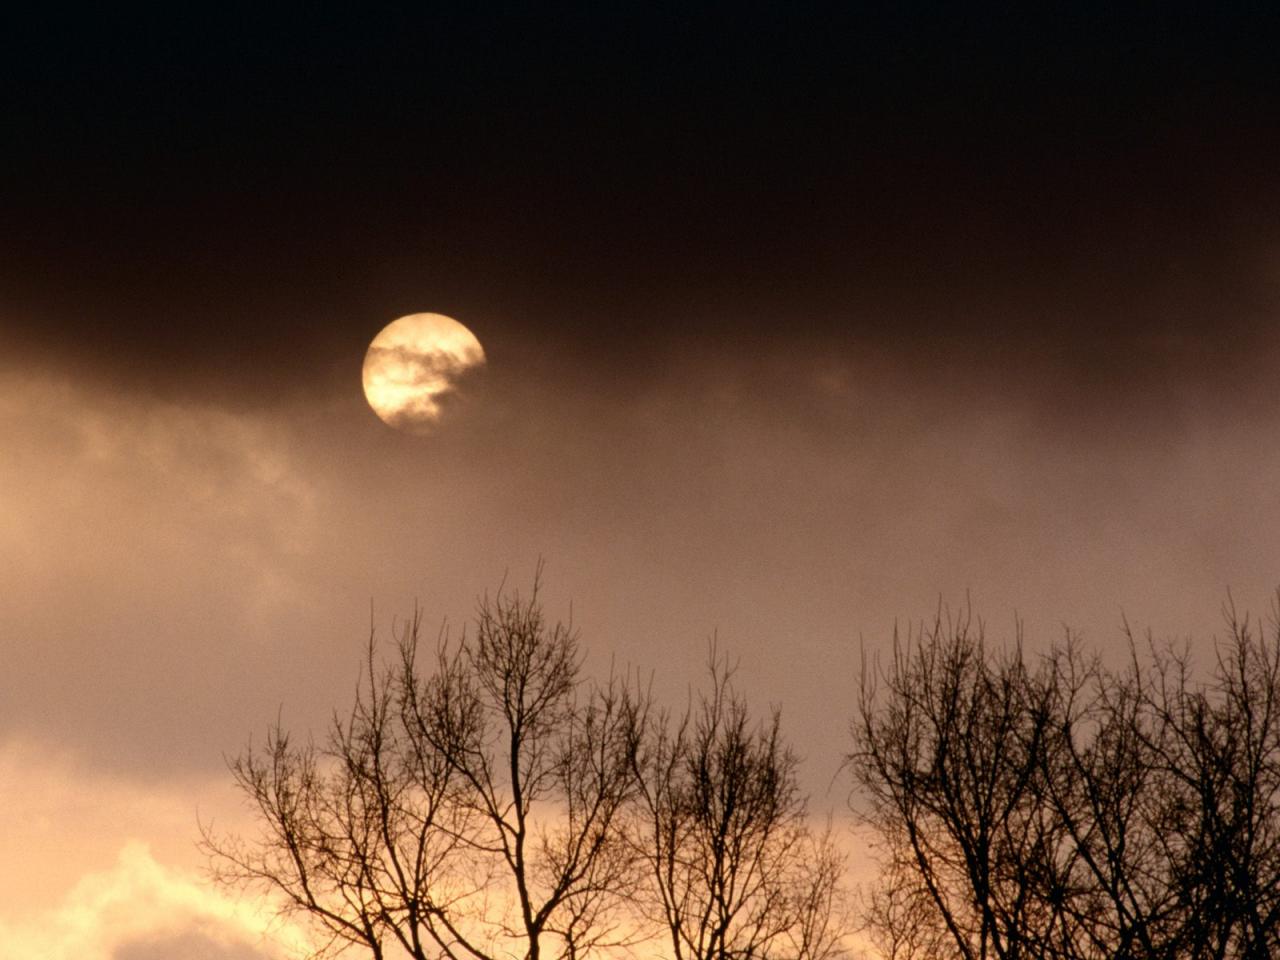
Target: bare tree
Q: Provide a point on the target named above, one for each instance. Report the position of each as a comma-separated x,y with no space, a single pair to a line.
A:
947,769
1215,749
470,812
1097,778
1072,812
735,869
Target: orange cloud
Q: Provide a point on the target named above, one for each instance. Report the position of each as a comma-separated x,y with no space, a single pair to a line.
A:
140,909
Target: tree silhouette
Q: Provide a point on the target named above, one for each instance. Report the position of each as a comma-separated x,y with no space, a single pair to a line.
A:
1058,809
948,767
735,869
469,812
1215,751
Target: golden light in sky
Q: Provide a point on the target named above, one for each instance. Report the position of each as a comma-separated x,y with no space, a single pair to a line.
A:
414,364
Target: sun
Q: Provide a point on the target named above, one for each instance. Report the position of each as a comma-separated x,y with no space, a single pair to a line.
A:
414,365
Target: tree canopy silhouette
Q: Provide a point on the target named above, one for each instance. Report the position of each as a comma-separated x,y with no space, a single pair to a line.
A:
469,811
1054,808
735,868
487,802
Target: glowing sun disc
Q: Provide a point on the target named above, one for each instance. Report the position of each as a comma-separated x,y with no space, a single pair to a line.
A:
414,364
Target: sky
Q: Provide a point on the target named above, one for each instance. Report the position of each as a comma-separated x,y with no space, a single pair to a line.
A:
798,323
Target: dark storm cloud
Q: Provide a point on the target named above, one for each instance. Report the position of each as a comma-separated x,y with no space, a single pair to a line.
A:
231,209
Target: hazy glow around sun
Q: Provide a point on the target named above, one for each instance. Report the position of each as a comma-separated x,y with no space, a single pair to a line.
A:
413,364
